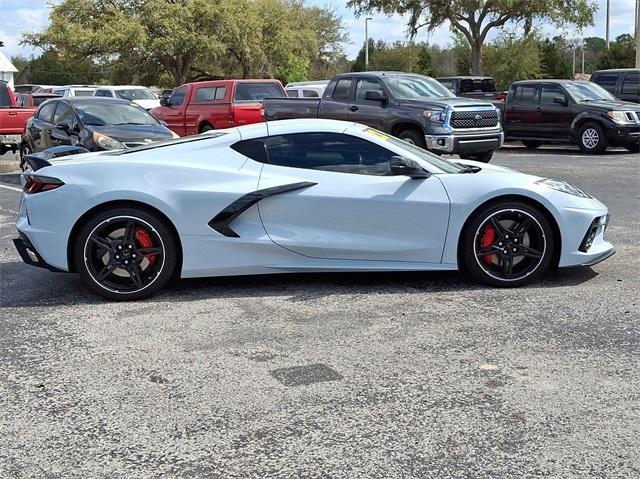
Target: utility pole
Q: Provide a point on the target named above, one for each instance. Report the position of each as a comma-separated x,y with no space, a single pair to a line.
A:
608,11
366,43
574,62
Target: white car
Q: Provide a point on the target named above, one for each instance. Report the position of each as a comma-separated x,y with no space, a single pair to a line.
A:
310,89
137,94
298,195
74,90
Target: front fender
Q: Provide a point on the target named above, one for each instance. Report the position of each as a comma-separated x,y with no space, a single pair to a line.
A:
599,117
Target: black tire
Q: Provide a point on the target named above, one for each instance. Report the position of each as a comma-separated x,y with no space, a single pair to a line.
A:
25,150
633,148
481,157
205,127
533,144
105,242
413,137
509,258
591,138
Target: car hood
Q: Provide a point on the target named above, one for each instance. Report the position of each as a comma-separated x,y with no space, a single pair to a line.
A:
611,105
134,132
441,103
148,104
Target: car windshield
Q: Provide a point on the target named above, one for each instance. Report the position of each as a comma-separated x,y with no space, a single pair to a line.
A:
110,113
484,85
416,87
258,91
587,92
135,94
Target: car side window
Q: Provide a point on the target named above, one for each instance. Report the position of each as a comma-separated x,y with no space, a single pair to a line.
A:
63,114
178,96
525,94
608,81
21,100
343,87
254,149
292,93
45,113
221,92
310,94
329,152
364,85
631,85
549,92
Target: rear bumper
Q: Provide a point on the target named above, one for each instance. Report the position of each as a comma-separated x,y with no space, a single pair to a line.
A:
466,142
30,255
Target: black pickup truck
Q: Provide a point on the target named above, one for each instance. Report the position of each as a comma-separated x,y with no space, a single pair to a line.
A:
556,111
476,87
414,108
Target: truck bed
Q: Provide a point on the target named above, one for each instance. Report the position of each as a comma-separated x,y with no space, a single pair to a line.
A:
290,108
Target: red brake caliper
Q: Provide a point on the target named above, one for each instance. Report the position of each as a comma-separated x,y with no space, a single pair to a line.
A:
488,237
144,240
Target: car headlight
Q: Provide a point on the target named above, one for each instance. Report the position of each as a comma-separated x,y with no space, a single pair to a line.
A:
435,116
564,187
106,142
619,116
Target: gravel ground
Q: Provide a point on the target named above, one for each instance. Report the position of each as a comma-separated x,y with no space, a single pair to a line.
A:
421,375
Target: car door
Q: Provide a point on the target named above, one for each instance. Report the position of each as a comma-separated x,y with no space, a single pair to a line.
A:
630,90
40,127
368,112
523,118
344,204
64,128
334,105
174,113
556,118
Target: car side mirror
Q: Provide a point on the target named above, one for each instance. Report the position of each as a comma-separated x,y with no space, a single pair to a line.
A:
375,95
64,126
401,166
561,100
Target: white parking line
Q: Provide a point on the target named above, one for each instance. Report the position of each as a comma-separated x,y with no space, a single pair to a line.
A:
12,188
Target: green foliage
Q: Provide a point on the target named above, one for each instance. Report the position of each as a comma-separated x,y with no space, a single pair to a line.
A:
621,53
358,64
294,69
169,42
424,64
51,68
556,58
476,18
511,59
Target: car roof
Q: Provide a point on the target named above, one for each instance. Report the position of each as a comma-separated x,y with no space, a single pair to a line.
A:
379,74
465,77
549,80
226,82
79,100
122,87
617,70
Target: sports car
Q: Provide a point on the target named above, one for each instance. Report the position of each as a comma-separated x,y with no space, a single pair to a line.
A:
295,196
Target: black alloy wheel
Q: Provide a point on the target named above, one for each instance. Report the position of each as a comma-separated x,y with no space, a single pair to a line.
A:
125,254
25,150
508,245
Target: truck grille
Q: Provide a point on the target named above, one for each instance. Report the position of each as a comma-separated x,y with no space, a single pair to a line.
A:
474,119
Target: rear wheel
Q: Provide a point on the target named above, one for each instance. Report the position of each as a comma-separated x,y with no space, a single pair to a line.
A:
25,150
481,157
125,254
508,244
591,138
532,144
206,127
413,137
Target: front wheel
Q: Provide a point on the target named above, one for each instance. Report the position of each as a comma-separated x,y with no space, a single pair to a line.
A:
481,157
413,137
507,245
125,254
592,139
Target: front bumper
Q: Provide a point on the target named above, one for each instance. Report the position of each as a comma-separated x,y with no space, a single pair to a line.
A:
624,135
466,142
583,242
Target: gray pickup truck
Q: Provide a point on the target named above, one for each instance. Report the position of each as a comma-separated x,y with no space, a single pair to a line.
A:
414,108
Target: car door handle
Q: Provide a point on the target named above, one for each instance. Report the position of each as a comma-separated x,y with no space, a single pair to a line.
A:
538,109
353,108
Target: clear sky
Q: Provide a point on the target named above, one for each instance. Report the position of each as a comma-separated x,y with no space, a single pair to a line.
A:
19,16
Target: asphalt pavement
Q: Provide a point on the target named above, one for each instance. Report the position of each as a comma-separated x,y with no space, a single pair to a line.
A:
407,375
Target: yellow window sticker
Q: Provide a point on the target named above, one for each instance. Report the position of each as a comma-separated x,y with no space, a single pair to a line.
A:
377,134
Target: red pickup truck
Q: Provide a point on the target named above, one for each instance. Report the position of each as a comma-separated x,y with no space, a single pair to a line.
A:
197,107
12,119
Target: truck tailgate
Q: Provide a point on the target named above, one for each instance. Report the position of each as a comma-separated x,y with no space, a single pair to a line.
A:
12,120
247,113
290,108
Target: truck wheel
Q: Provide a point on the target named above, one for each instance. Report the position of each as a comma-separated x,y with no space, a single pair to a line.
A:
591,138
25,150
531,144
481,157
413,137
206,127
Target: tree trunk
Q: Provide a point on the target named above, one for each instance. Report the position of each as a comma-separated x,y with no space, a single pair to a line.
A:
476,57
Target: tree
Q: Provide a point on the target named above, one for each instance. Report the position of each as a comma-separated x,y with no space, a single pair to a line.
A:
555,58
511,59
621,53
359,63
425,65
476,18
168,42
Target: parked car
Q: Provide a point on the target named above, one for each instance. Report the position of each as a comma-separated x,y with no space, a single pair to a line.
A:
12,119
333,196
623,83
478,87
414,108
310,89
138,94
74,90
165,94
202,106
32,100
30,88
92,123
541,111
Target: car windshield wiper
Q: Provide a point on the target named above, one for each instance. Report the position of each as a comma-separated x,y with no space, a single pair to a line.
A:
468,168
131,123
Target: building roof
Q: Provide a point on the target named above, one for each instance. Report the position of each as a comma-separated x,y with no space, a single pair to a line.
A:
6,65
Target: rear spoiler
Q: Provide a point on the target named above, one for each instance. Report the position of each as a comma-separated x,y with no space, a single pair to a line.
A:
41,159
